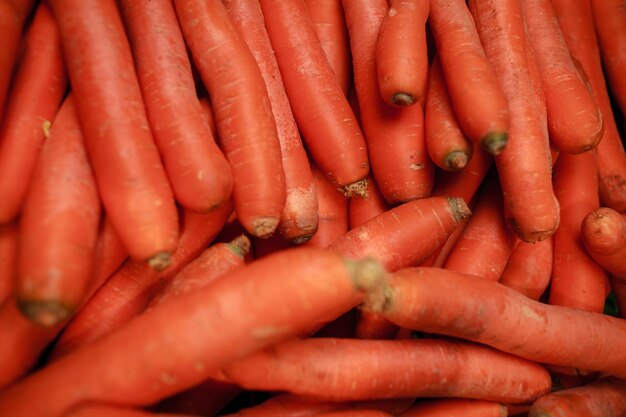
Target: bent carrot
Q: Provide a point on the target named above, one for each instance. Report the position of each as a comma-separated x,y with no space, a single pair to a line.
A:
8,260
456,408
529,268
362,210
36,93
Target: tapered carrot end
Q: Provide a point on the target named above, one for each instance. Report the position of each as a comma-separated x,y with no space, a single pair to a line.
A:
358,188
460,210
240,245
264,227
403,99
456,160
46,313
160,261
495,142
370,277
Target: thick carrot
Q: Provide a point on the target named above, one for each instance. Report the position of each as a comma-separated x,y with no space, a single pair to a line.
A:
207,113
529,268
333,212
479,101
486,243
8,260
524,166
577,25
127,292
200,176
605,397
291,290
464,183
324,116
59,225
427,299
107,410
351,370
330,26
577,280
447,145
394,136
299,217
246,126
456,408
574,120
401,58
36,93
362,210
205,399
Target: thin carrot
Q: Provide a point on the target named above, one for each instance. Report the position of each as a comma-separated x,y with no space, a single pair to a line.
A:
299,217
126,163
529,268
401,59
8,260
200,176
479,101
330,27
205,399
464,183
331,132
456,408
362,210
394,136
291,290
350,370
36,93
247,130
574,120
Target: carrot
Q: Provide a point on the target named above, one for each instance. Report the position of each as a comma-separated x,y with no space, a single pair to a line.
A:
456,408
8,260
529,268
394,136
524,166
438,258
406,234
577,25
104,410
207,113
400,55
479,101
464,183
486,243
577,280
37,90
609,24
200,176
330,27
574,120
247,129
447,145
605,397
427,299
331,132
333,212
374,326
299,217
355,413
311,284
127,292
362,210
59,225
350,370
205,399
517,409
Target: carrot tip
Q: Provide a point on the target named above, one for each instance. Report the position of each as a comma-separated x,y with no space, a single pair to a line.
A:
460,210
370,277
301,239
495,142
240,245
403,99
46,313
264,227
358,188
160,261
456,160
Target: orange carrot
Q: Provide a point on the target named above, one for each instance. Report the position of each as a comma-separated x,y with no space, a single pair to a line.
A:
331,132
333,212
401,59
362,210
104,410
330,27
447,145
394,136
350,370
456,408
299,217
374,326
529,268
8,260
200,176
524,166
36,93
247,130
291,290
207,113
574,120
464,183
205,399
479,101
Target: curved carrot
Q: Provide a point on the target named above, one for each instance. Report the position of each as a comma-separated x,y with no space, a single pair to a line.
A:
456,408
479,101
400,55
299,217
200,176
331,132
246,126
8,260
131,180
362,210
36,93
464,183
574,120
529,268
394,136
330,27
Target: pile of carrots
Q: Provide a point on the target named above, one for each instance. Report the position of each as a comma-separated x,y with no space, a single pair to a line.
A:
326,208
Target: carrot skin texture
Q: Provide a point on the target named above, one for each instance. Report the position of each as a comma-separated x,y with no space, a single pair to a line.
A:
332,209
8,260
464,183
200,176
362,210
324,285
529,268
299,217
480,103
456,408
394,136
328,125
604,236
490,313
36,93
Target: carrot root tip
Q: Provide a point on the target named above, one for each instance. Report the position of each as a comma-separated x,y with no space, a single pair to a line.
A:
46,313
403,99
240,245
160,261
264,227
302,239
358,188
456,160
495,142
460,210
370,277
